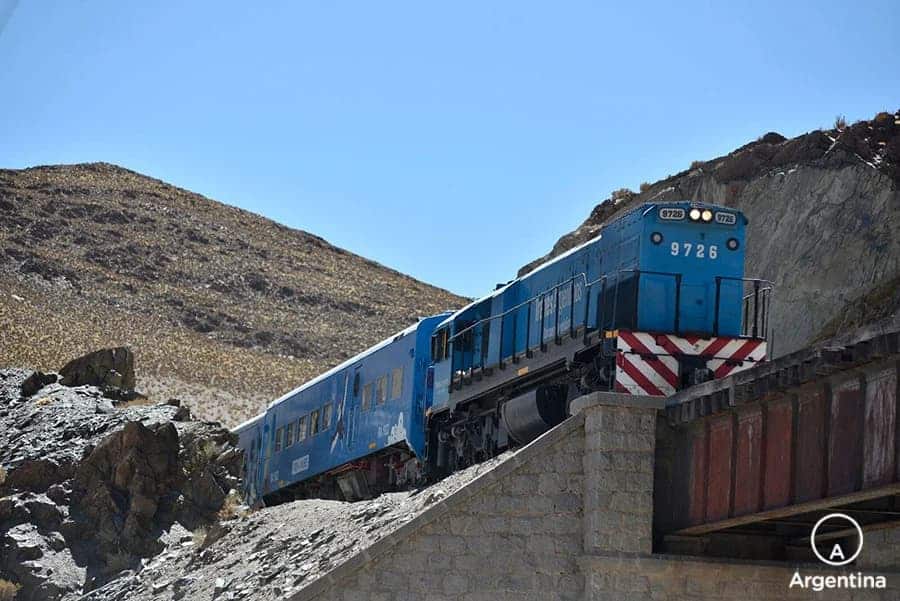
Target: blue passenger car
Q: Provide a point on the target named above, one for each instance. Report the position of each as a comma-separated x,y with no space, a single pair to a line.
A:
362,421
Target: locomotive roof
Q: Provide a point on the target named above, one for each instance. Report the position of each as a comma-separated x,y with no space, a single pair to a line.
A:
641,207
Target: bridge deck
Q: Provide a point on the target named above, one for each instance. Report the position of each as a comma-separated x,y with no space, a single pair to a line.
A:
770,450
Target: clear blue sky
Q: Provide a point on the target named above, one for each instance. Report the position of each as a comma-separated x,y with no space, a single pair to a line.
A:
451,141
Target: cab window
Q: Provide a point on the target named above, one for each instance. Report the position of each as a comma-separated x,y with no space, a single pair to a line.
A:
440,345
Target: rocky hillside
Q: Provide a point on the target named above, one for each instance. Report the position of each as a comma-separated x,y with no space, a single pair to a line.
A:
272,553
106,500
824,211
220,305
91,487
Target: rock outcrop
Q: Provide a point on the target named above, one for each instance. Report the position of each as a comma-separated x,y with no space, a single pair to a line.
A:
109,368
92,489
824,212
270,554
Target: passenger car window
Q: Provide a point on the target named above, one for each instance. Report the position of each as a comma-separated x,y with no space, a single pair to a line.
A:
326,416
367,396
396,383
381,390
278,434
289,435
301,429
314,422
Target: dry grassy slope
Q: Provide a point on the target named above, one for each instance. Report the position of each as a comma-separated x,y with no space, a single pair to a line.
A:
824,211
221,306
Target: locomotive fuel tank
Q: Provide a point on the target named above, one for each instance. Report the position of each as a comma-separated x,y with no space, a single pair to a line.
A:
527,416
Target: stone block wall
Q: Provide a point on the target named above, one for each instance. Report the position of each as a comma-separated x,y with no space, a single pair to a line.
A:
513,533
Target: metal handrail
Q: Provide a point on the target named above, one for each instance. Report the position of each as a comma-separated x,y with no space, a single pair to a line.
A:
757,283
542,296
526,302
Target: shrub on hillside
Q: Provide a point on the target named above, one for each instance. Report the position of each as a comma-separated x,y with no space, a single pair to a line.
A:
840,123
8,590
621,193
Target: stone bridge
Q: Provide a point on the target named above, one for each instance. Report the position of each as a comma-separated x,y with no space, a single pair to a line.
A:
711,494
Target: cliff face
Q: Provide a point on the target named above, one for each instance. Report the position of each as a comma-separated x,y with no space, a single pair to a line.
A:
824,211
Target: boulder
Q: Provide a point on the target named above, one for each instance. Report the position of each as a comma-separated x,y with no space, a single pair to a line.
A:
35,382
107,368
119,486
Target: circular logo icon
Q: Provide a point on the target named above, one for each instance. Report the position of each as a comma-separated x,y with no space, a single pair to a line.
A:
836,556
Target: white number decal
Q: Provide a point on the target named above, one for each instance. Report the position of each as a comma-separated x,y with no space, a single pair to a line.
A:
701,251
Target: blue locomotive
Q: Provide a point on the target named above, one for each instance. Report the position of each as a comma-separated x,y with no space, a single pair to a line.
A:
657,301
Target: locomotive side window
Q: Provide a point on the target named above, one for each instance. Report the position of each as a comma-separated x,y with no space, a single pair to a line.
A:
326,416
289,435
314,422
439,345
367,396
381,390
396,383
278,436
301,429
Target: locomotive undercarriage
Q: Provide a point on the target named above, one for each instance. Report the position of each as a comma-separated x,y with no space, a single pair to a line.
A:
392,469
515,412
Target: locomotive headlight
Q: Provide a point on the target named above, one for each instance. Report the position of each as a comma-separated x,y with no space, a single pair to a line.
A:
732,244
707,215
656,237
694,214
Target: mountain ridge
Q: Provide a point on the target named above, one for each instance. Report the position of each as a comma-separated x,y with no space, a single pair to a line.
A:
219,303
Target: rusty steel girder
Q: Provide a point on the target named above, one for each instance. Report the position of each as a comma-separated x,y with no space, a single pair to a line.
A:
813,430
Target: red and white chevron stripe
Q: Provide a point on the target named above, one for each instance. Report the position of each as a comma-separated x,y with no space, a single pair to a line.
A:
647,364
